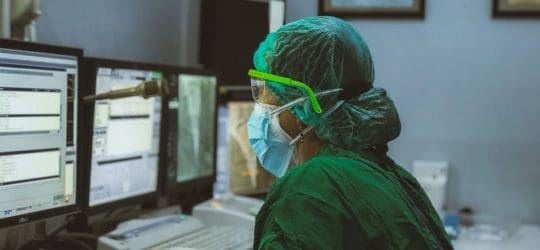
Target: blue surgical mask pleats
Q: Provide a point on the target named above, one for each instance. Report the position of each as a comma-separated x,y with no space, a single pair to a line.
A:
270,143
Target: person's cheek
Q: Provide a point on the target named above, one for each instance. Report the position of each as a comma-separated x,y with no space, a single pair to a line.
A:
287,121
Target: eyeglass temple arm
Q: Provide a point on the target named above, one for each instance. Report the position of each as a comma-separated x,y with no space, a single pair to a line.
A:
287,81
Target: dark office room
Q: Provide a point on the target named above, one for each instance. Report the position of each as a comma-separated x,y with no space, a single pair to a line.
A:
269,124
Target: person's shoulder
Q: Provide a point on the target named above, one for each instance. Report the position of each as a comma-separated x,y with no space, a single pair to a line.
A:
310,176
321,174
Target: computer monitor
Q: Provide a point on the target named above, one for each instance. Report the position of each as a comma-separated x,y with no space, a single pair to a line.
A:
238,171
191,130
124,136
219,22
38,141
244,172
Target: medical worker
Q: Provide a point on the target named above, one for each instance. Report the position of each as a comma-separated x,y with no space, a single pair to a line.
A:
322,127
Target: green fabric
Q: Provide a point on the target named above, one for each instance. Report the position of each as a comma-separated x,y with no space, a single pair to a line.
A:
327,53
343,200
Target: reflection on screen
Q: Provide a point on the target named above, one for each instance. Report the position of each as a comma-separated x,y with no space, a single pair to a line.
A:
196,126
125,143
37,113
246,175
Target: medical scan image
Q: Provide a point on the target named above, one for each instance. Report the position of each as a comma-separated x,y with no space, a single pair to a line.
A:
196,126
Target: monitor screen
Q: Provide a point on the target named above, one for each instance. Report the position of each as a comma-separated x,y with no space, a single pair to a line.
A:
196,137
246,175
125,141
38,111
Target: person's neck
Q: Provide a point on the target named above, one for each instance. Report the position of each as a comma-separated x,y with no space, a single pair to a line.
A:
310,147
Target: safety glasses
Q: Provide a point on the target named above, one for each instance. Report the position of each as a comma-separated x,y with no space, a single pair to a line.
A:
258,85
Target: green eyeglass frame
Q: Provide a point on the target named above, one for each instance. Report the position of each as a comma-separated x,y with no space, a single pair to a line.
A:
289,82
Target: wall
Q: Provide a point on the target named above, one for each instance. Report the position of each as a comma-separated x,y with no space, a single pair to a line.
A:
164,31
467,88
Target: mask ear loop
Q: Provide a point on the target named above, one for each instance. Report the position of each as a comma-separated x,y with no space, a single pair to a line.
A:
309,128
301,131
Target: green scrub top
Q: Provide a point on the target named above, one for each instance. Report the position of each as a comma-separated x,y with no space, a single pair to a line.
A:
345,200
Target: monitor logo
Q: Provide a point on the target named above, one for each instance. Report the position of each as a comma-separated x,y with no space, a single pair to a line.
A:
23,220
7,212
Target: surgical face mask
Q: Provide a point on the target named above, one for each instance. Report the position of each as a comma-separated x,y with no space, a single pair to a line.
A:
272,145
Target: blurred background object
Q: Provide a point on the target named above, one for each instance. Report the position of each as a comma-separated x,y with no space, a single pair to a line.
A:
246,175
18,19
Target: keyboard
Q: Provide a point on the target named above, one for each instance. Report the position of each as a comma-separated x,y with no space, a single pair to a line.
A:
212,237
228,210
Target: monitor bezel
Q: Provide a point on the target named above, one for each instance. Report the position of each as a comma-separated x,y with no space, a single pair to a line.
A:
90,73
175,188
65,210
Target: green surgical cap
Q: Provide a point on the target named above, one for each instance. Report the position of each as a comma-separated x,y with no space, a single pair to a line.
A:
327,53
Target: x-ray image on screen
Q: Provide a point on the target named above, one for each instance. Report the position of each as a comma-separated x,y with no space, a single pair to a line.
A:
246,174
196,126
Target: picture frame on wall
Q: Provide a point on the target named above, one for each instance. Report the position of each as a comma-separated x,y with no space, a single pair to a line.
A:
372,8
516,8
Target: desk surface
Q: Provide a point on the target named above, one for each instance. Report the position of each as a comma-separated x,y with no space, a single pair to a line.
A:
527,237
